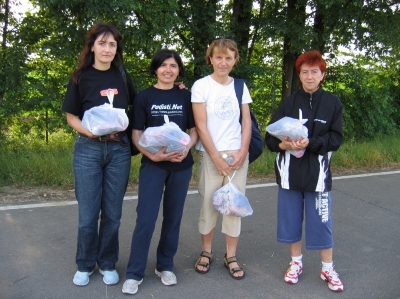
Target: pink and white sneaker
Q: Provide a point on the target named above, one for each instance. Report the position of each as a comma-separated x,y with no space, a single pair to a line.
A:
293,272
332,278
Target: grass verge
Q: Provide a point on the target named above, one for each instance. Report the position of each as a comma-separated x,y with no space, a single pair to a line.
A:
34,163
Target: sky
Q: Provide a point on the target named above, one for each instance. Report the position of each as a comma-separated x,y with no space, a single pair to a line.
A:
25,5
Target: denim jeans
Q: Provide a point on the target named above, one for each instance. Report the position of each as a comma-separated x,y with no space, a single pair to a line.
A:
152,181
101,170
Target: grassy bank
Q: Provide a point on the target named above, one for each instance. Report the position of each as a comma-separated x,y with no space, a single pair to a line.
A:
33,163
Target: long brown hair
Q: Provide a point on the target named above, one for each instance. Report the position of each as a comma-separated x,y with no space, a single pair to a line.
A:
87,56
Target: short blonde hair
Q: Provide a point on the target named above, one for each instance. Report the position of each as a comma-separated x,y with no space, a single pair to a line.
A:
222,44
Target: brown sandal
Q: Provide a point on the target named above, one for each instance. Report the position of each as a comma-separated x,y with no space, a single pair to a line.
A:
203,264
234,270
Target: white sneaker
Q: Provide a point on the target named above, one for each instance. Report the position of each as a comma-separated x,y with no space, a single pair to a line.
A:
332,278
81,278
293,272
131,286
167,277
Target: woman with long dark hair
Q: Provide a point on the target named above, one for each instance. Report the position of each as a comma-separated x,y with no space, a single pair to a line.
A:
101,163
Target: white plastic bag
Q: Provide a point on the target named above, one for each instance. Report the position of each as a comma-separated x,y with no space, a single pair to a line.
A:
229,201
291,127
105,119
169,135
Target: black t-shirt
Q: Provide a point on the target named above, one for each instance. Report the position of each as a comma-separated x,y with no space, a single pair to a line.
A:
91,91
149,108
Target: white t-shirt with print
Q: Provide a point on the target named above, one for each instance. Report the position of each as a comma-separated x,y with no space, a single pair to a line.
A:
222,112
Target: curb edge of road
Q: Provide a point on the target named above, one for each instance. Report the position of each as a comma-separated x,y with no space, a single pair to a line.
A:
133,196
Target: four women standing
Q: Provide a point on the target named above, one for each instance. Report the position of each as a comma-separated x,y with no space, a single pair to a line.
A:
211,113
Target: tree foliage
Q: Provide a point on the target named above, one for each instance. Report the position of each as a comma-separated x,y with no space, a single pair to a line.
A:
40,51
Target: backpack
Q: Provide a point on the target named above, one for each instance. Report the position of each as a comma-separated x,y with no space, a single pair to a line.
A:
134,150
256,142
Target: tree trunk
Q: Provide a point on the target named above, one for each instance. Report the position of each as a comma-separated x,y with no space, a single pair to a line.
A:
4,42
290,80
240,24
319,42
288,72
240,27
256,31
5,28
202,32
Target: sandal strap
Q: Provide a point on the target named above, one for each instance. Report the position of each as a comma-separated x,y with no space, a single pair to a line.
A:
231,259
206,254
202,264
236,269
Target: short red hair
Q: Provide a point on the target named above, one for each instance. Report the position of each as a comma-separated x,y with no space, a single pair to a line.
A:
313,57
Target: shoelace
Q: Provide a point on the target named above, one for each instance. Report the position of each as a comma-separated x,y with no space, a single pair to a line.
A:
294,268
333,275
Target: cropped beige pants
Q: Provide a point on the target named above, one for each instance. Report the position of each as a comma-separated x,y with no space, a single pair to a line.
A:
209,182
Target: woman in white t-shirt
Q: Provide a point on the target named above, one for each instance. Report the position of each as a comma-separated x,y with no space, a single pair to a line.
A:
216,111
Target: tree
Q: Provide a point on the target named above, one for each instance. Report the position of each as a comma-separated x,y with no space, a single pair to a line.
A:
42,50
329,24
12,56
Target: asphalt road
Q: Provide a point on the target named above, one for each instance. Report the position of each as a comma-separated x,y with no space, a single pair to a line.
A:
38,242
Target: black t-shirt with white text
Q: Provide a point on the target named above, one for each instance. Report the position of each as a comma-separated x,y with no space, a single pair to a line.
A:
149,108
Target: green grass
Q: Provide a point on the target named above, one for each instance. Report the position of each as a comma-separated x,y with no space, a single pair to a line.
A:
34,163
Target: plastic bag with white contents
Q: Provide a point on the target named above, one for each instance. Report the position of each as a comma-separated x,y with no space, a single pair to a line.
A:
169,135
105,119
229,201
291,127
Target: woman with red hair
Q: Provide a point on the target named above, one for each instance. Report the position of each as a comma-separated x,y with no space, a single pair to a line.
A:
305,182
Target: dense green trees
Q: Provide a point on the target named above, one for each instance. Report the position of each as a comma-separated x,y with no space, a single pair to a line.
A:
40,51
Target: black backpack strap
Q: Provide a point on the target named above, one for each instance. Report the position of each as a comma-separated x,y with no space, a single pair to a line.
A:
134,150
121,69
239,86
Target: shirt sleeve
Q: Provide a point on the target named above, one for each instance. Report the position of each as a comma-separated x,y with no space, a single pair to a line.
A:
246,98
190,117
332,140
72,103
272,142
198,95
138,112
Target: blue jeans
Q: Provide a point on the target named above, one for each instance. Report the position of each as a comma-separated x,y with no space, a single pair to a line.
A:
101,170
152,181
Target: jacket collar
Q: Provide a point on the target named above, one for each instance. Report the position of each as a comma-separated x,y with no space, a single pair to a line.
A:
315,95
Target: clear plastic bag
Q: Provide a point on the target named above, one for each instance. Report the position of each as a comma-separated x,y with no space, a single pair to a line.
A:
291,127
169,135
229,201
105,119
